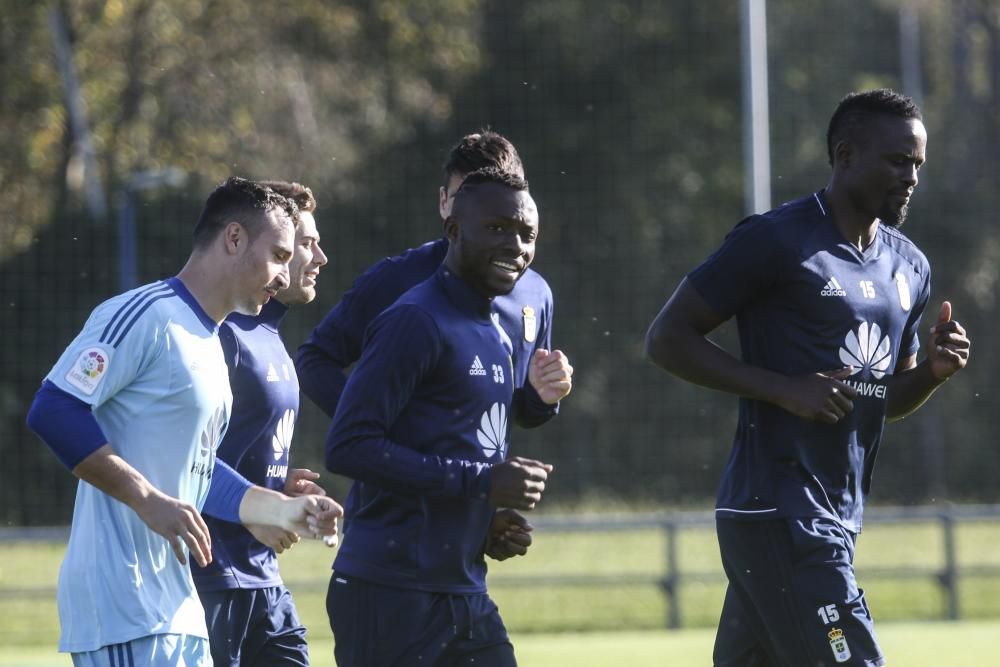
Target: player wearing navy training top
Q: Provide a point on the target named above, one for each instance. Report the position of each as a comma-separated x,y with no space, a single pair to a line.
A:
136,407
422,429
251,617
541,378
827,295
525,314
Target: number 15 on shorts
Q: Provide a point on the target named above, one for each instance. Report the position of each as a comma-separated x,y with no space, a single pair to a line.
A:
829,614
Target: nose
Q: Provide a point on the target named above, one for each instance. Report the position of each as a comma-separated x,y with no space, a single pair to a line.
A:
514,243
910,176
283,277
319,257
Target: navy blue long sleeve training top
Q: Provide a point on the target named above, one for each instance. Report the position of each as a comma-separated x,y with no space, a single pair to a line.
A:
525,315
265,408
421,421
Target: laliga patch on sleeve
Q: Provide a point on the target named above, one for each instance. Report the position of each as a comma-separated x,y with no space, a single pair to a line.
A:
89,370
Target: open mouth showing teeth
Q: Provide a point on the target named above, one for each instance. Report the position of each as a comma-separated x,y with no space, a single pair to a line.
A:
506,266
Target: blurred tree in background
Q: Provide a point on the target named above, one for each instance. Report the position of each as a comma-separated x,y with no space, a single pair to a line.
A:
628,117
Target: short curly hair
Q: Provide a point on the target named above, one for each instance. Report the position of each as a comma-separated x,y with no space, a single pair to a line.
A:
857,109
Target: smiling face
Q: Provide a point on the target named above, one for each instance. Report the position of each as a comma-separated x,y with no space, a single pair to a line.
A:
880,170
307,258
492,231
262,267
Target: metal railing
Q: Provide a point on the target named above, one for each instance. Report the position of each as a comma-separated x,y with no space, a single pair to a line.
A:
672,578
947,575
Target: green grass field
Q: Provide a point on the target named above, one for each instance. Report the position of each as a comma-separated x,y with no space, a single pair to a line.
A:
602,625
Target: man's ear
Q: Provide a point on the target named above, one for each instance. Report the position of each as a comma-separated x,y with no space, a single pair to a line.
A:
235,238
843,152
451,228
442,203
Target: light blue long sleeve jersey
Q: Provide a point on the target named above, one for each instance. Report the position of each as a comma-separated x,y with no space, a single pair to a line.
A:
150,365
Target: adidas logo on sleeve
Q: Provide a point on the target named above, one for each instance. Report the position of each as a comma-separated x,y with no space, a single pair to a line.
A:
833,288
477,367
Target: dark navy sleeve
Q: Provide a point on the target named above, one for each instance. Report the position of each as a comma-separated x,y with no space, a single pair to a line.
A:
66,424
528,408
225,493
336,342
910,342
747,263
402,347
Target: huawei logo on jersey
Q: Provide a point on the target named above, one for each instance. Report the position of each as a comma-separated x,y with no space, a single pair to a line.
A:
868,352
208,442
492,431
280,442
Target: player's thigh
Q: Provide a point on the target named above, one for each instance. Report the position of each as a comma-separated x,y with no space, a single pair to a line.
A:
798,579
165,650
279,639
230,617
381,626
480,635
741,640
376,626
498,655
834,612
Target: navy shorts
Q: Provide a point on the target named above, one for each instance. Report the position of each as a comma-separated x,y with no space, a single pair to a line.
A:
381,626
792,599
255,626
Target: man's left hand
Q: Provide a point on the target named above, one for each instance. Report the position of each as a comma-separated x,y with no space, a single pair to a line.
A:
509,535
300,481
948,346
551,375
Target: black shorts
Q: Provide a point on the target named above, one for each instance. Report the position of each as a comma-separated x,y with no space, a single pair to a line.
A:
792,598
381,626
255,626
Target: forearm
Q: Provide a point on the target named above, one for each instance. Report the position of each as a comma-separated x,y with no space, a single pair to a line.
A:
694,358
110,473
402,470
910,389
529,410
262,506
321,377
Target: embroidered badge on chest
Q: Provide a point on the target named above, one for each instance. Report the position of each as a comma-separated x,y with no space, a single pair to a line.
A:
903,289
530,323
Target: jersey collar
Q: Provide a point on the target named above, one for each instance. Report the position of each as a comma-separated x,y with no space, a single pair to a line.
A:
182,291
463,296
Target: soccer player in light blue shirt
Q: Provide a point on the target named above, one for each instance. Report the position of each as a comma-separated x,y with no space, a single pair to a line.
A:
135,407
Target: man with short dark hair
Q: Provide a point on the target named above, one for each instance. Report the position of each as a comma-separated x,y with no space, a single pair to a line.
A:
135,407
251,617
541,376
422,428
828,295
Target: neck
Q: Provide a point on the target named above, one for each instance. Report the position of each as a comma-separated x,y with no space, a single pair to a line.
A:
203,281
855,226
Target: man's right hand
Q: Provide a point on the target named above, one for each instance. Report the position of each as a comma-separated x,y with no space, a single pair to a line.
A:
822,397
180,523
518,483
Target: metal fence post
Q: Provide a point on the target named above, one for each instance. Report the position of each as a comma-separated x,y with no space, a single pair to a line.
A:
949,577
670,581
